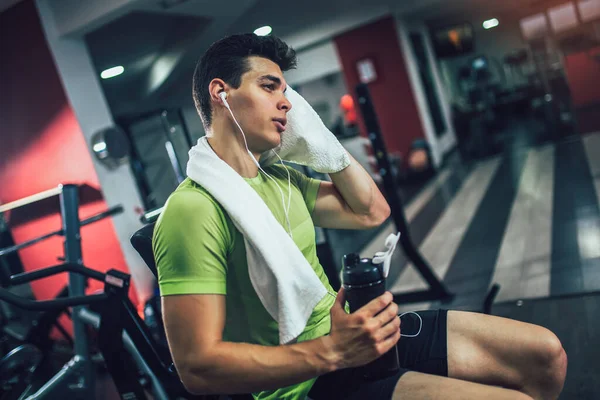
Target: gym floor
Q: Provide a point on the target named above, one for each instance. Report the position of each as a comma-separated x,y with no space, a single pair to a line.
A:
527,219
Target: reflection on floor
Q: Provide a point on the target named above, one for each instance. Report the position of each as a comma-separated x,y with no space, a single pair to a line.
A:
528,220
574,320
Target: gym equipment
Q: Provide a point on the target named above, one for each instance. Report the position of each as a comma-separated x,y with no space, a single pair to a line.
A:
77,377
11,263
116,316
437,290
111,146
17,369
160,142
418,166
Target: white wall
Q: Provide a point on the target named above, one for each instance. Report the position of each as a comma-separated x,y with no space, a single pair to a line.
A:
118,186
440,145
315,63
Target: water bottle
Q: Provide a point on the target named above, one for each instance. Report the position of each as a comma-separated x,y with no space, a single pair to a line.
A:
364,281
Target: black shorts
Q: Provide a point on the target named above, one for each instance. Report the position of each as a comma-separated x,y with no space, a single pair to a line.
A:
427,353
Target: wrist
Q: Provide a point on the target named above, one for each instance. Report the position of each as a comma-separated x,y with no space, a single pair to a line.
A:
332,358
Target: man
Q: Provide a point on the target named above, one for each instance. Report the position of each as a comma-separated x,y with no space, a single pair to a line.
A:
221,337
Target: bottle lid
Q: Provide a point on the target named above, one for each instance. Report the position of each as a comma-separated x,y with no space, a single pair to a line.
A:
350,259
360,271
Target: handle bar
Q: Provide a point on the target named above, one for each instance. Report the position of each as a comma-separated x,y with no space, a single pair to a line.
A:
111,211
45,305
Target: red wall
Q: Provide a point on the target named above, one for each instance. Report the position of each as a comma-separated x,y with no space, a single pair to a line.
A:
391,93
583,74
41,146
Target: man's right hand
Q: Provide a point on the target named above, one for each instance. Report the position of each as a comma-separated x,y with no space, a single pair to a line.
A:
361,337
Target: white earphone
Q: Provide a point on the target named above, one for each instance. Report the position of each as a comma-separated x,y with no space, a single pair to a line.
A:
223,96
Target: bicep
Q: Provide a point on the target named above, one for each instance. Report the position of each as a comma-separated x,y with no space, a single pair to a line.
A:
194,324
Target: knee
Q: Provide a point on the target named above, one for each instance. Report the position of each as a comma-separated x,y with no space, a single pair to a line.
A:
554,354
552,360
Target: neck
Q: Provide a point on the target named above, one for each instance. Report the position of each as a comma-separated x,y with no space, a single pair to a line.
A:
226,140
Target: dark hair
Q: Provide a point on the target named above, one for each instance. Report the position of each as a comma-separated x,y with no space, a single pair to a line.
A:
227,59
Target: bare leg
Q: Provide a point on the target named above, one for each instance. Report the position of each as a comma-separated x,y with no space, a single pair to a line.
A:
507,353
415,385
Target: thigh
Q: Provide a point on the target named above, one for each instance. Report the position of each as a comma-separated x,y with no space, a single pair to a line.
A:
427,352
415,385
495,350
349,384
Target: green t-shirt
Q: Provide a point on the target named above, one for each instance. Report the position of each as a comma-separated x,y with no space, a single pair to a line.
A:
198,250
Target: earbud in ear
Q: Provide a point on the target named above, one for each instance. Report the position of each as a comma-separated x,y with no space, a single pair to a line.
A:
223,96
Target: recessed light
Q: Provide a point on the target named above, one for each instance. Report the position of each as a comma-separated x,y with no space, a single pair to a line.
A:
263,30
490,23
98,147
112,72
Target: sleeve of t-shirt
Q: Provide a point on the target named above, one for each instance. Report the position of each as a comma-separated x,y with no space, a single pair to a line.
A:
191,243
309,187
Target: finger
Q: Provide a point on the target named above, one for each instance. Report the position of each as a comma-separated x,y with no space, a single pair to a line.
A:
387,315
376,305
388,330
340,301
385,345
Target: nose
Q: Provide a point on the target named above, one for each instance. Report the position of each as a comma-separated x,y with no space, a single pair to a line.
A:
284,104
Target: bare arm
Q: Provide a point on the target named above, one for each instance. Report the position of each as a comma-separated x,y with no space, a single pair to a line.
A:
208,365
351,201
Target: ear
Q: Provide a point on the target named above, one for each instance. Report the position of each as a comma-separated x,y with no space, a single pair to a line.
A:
215,87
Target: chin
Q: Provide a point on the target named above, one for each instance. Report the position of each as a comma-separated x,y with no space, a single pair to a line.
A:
272,141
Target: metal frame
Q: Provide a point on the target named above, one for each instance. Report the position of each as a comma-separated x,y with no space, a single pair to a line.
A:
120,328
76,378
93,319
77,375
437,290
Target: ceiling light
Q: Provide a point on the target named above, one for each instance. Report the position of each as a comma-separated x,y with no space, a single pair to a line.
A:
98,147
490,23
112,72
263,30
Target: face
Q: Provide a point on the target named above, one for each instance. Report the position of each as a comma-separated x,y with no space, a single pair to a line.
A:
260,105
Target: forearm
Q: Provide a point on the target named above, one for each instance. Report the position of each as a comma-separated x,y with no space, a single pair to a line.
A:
246,368
358,189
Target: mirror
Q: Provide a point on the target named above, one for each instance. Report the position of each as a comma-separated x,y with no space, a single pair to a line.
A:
111,146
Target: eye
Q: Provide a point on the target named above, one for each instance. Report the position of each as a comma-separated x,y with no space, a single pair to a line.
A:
269,86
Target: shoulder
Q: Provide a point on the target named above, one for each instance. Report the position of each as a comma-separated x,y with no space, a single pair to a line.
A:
189,199
191,206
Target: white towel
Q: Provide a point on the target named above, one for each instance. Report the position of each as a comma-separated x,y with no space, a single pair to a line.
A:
307,141
283,279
